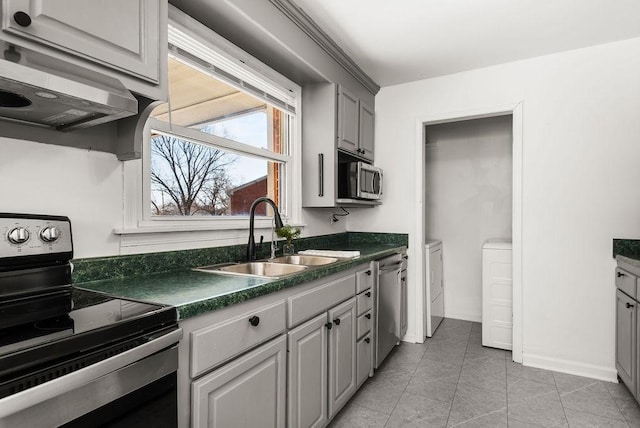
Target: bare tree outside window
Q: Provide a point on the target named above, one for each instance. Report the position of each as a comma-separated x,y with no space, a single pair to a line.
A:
189,179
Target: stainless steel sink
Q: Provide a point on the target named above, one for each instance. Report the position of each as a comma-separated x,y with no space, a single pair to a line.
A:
305,260
256,269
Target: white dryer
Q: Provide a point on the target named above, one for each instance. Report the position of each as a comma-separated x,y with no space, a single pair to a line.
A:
497,294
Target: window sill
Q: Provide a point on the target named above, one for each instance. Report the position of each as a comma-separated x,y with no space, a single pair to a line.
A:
153,238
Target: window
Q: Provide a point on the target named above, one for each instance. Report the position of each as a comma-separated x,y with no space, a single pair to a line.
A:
228,135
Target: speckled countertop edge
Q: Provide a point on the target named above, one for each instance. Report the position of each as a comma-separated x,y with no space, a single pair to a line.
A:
195,293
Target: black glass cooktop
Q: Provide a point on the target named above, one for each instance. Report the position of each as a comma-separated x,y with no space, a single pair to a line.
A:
97,325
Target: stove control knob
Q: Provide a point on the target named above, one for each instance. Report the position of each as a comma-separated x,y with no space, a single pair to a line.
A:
18,235
50,234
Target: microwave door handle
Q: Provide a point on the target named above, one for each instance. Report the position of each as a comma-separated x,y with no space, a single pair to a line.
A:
378,190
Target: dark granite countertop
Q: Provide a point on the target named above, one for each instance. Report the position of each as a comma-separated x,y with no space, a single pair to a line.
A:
194,293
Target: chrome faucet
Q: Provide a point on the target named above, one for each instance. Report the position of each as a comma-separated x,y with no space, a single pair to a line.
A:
251,246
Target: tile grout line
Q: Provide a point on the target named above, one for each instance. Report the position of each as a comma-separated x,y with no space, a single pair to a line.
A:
404,390
459,375
564,412
506,385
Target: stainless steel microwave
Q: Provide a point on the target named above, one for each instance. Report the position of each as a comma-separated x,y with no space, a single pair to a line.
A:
359,180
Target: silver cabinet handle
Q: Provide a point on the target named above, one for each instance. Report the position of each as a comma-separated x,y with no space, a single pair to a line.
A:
321,174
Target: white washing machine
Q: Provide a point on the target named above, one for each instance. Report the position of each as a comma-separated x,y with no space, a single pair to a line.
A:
497,294
433,295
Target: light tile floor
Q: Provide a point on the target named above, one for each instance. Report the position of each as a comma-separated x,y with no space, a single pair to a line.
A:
452,380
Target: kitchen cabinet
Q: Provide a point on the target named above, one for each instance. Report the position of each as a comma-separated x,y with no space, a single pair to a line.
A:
342,355
627,330
248,392
307,373
364,331
355,125
333,119
322,352
82,33
232,358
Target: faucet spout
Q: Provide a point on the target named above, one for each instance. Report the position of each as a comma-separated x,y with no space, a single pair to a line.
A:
251,246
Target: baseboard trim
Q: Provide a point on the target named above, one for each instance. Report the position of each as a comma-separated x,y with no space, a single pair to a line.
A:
464,317
412,338
570,367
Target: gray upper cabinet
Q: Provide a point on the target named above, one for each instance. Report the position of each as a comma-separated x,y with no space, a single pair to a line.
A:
366,130
348,111
123,38
355,125
332,119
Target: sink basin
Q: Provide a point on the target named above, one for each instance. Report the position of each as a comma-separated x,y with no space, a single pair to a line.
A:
305,260
257,269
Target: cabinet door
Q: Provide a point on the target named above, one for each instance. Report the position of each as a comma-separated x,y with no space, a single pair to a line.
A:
626,363
342,355
366,141
247,392
85,28
348,128
364,358
307,374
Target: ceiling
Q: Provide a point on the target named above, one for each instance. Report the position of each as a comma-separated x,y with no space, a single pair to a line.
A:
406,40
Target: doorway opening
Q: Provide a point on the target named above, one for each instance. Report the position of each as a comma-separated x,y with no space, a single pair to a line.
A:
508,220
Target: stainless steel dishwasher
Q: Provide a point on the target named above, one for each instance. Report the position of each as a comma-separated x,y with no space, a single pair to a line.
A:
389,306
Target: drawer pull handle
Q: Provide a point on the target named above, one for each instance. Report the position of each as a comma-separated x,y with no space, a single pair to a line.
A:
368,294
629,305
620,274
329,326
368,272
367,340
22,18
368,316
254,320
337,321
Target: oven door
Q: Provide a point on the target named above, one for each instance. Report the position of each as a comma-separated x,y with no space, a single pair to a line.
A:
137,388
369,181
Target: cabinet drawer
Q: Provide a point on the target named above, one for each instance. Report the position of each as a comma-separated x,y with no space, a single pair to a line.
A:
626,282
215,344
311,302
364,280
364,360
364,324
365,302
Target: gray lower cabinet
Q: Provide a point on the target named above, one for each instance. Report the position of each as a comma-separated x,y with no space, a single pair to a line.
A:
626,340
322,366
247,392
307,373
342,355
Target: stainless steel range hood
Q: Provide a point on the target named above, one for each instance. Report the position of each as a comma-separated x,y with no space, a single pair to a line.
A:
39,89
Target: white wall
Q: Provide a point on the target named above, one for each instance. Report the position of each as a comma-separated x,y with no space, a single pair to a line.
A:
581,151
467,201
87,187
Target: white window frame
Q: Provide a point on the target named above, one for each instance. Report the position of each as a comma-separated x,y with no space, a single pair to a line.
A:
141,232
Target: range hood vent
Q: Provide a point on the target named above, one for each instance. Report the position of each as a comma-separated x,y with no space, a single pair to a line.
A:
38,89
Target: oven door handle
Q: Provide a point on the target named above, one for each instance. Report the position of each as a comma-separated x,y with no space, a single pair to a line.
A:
17,406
